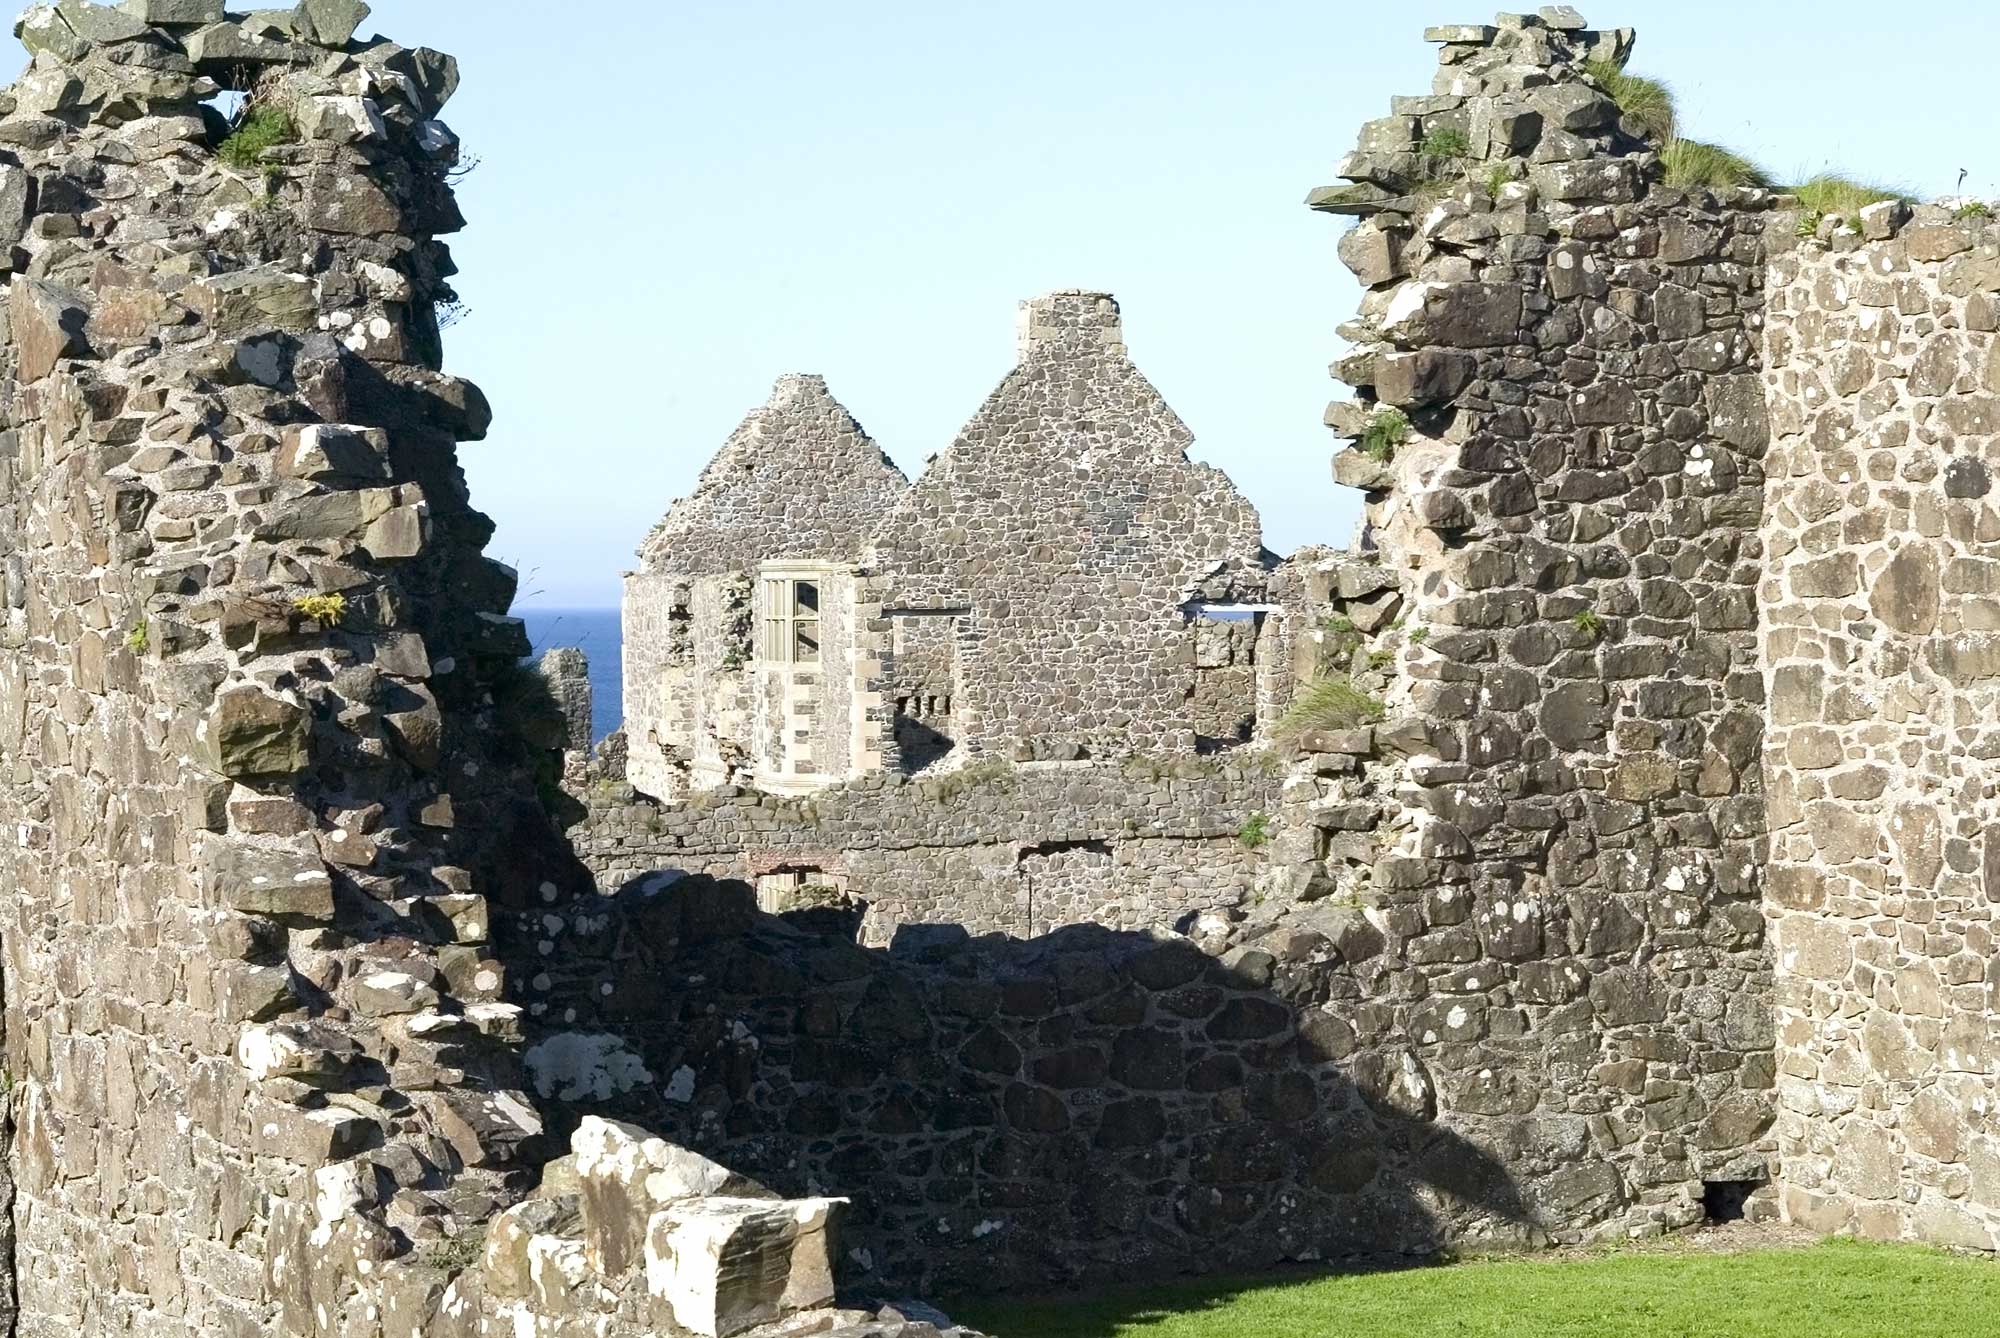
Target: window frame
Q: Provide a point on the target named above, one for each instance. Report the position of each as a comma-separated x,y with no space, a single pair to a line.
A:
789,612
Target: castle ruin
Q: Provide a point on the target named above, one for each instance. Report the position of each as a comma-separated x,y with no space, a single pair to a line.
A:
1052,588
1628,868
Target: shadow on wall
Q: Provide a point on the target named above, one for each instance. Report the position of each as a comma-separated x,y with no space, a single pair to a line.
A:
1031,1113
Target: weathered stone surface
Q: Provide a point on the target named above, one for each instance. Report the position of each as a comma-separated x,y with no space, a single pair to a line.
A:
249,300
42,28
174,13
100,23
1424,378
48,324
331,23
224,49
252,735
719,1267
276,884
1906,595
335,453
1863,830
1373,254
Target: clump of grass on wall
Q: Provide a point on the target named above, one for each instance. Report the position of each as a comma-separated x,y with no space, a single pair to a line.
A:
1647,103
1831,193
1329,703
1691,163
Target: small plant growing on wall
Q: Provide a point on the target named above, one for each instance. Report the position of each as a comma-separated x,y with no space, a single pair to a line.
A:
1419,635
140,638
1338,625
1255,832
1443,146
1973,211
1386,431
1590,624
264,126
326,610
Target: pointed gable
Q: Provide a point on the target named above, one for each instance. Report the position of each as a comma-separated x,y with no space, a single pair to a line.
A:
799,478
1062,536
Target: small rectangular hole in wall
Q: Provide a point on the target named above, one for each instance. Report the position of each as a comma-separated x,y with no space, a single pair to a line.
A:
1724,1200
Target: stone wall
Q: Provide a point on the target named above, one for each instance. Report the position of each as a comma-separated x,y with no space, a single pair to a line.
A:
1014,849
1096,1105
1569,523
250,635
276,847
1882,653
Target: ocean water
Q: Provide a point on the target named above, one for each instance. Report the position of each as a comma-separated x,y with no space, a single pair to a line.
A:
597,633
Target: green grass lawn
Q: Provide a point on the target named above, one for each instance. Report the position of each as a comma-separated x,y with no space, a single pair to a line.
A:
1840,1289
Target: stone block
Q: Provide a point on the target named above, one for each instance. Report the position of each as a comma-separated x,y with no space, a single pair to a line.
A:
330,23
100,24
338,201
392,994
175,13
1573,107
1374,254
335,453
487,1128
246,301
1462,34
41,28
270,882
625,1175
224,51
399,534
324,516
1423,378
720,1266
1937,242
1907,596
250,735
1596,180
48,324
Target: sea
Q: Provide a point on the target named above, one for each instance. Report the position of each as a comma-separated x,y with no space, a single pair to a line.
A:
598,634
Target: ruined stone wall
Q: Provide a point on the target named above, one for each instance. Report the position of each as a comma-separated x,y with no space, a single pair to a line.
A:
1882,653
240,870
273,760
1068,527
1093,1105
1564,508
1021,850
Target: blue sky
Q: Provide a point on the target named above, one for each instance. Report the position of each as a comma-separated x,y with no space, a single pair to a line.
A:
678,201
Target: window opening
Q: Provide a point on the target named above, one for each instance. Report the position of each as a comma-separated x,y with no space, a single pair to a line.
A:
788,621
